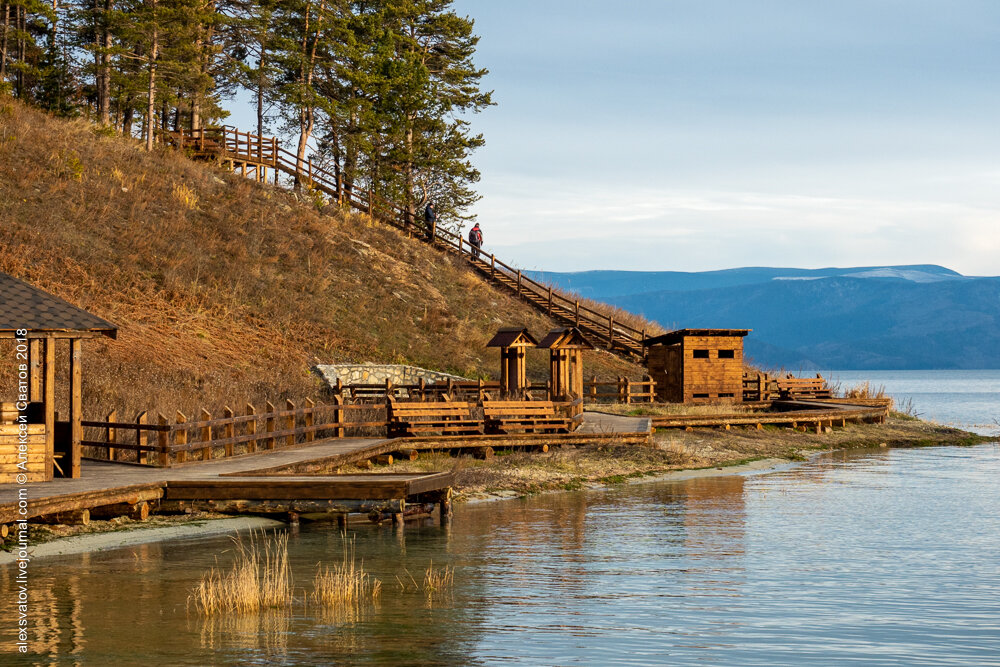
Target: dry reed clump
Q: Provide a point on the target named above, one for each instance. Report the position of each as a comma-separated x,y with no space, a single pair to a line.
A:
436,581
864,390
346,585
259,578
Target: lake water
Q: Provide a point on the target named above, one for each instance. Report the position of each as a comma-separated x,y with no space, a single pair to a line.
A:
872,557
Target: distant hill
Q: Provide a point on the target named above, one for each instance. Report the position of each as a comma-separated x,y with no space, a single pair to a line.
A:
890,317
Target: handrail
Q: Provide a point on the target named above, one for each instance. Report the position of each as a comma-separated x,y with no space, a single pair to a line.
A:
268,151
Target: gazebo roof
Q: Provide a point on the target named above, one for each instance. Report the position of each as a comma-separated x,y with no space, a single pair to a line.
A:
25,307
680,334
568,338
513,337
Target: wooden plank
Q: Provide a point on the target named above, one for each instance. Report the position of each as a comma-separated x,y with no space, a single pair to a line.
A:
75,405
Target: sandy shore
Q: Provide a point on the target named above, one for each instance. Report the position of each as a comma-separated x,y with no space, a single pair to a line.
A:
93,542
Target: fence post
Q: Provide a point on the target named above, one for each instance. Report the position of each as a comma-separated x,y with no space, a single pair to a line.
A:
519,282
111,434
621,389
339,412
550,301
274,157
140,438
481,390
576,305
290,423
206,435
628,391
269,425
422,388
451,388
181,436
250,411
651,383
310,419
340,388
493,266
611,331
163,441
593,389
229,430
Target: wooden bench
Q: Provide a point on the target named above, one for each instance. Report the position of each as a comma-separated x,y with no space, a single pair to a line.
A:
420,418
524,417
803,388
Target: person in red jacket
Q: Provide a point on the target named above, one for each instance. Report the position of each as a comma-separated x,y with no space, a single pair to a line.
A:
475,240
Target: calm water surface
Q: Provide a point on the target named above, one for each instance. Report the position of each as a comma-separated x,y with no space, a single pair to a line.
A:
869,558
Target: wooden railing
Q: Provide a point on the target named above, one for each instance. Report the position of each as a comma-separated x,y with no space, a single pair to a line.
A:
228,143
162,441
622,390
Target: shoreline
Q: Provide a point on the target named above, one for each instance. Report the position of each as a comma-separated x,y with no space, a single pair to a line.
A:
775,457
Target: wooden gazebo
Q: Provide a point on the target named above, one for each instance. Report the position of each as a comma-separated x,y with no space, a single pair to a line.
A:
35,321
513,341
566,348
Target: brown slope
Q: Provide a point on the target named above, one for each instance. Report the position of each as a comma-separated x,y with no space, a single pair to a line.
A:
227,291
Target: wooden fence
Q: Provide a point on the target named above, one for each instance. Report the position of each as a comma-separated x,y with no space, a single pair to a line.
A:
164,441
229,144
622,390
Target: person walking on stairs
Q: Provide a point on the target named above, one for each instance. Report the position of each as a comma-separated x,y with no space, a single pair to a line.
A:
430,217
475,240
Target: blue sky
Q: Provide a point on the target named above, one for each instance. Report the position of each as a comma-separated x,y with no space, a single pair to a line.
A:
699,134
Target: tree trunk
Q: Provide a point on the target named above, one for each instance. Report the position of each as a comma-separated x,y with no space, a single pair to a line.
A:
154,45
3,42
104,66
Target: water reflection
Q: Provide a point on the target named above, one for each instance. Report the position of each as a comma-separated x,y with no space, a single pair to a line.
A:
879,557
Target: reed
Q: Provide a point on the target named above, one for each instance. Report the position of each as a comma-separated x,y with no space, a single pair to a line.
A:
346,584
439,580
259,578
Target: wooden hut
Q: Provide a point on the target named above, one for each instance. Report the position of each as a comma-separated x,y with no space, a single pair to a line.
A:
697,365
566,348
35,322
513,341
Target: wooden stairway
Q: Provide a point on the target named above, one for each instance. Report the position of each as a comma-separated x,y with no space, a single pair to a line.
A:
254,155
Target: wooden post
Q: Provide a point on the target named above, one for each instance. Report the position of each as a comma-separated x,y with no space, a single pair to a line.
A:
493,266
75,404
49,391
628,391
269,425
229,430
621,389
250,411
35,370
339,412
576,305
549,310
340,388
519,282
181,436
422,388
388,388
111,434
163,442
274,157
310,419
611,331
290,423
482,391
206,436
141,439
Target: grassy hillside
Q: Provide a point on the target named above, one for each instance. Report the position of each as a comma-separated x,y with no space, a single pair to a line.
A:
225,290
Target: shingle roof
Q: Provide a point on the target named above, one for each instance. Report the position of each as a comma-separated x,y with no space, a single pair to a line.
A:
512,337
566,338
25,307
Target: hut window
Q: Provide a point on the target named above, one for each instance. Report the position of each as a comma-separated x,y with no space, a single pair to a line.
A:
727,354
701,354
699,396
730,395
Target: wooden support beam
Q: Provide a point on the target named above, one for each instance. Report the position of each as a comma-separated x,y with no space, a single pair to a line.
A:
181,436
68,518
229,430
162,442
290,424
137,511
35,364
250,411
269,425
49,392
282,507
75,404
310,419
141,436
111,434
206,435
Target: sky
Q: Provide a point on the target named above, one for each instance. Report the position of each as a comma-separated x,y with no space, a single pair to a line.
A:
695,135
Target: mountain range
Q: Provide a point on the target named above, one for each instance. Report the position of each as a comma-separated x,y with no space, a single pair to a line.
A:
859,318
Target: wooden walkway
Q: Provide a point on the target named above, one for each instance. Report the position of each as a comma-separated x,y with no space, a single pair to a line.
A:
242,150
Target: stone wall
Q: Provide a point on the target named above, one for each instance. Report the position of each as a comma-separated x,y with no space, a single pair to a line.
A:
379,373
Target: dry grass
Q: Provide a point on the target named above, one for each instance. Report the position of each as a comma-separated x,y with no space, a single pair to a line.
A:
864,390
259,578
227,291
346,585
436,581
